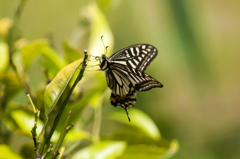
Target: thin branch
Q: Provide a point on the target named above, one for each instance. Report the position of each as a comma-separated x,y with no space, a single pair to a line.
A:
63,134
12,37
42,141
48,150
34,129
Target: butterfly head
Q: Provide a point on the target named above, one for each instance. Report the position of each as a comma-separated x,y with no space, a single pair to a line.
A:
104,63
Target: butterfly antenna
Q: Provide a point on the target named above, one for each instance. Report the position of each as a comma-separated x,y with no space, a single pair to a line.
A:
127,114
105,47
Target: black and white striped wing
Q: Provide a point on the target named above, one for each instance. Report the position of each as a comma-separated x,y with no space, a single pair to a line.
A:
137,56
123,81
122,75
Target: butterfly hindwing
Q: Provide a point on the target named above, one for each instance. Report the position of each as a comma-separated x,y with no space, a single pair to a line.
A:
122,79
144,82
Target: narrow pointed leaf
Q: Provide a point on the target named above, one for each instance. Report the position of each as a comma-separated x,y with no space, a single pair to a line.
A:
55,89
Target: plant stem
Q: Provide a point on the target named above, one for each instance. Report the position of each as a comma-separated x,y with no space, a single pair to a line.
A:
63,134
11,41
48,150
34,129
42,141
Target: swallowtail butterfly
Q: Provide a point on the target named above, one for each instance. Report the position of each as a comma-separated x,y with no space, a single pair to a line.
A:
125,73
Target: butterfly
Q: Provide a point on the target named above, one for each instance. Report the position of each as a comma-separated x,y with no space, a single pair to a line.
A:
125,74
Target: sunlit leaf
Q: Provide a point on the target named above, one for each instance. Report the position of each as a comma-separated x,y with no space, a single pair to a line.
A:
135,136
55,89
7,153
173,148
102,150
99,27
137,141
142,151
4,57
139,120
25,121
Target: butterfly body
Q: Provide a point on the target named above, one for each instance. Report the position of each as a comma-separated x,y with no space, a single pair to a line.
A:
125,73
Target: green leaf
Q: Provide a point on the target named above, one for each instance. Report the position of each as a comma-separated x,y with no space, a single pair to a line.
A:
34,49
55,89
99,27
141,151
31,50
4,57
139,120
133,136
92,88
138,141
104,149
52,60
7,152
70,54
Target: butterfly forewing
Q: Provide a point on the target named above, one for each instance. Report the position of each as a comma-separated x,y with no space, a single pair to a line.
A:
136,56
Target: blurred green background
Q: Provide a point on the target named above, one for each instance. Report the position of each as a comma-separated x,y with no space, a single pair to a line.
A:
198,62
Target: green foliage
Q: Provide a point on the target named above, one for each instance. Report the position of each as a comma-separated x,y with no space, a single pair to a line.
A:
64,113
104,149
57,86
141,121
6,152
41,48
